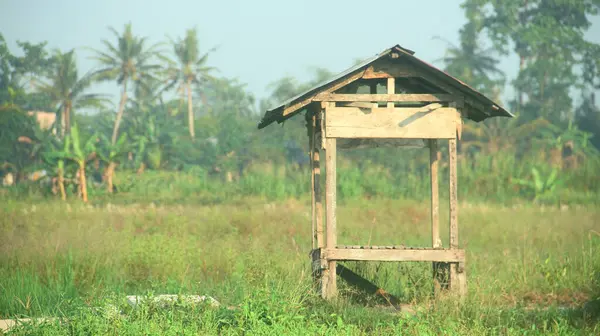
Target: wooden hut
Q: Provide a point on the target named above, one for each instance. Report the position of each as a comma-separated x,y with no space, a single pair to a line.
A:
416,104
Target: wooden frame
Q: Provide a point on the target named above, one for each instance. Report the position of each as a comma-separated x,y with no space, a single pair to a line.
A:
431,122
429,106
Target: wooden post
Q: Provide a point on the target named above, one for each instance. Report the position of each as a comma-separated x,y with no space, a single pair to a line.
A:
311,155
457,273
435,195
391,89
438,269
318,263
315,179
330,289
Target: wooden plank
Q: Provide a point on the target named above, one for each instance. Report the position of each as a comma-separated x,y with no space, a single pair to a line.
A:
391,89
435,195
383,247
380,143
357,104
333,87
390,97
429,122
331,205
440,255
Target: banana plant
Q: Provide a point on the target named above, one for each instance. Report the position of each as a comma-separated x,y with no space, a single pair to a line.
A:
81,152
538,185
55,158
580,140
149,140
112,154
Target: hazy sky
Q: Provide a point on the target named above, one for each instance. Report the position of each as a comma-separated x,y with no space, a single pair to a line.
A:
259,41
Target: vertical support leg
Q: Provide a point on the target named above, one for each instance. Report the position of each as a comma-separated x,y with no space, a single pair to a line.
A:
435,195
311,155
391,89
439,269
330,279
317,189
316,204
457,273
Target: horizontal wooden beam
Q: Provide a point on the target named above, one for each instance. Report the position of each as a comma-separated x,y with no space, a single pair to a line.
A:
439,255
435,97
428,122
332,87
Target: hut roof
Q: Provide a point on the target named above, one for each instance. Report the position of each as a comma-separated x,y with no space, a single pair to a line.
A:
480,107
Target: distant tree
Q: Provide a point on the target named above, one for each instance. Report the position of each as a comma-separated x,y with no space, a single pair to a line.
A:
189,69
224,95
67,90
469,62
127,61
547,36
15,126
17,72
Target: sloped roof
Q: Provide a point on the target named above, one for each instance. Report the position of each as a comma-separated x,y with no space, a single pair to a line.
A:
491,109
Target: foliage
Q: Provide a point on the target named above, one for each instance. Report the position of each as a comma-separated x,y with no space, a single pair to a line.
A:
470,62
67,90
540,186
16,147
548,57
149,129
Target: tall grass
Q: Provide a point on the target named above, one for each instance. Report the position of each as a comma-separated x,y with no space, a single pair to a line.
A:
57,258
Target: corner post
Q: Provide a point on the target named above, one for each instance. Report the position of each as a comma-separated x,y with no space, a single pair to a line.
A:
439,269
391,89
457,272
330,289
315,179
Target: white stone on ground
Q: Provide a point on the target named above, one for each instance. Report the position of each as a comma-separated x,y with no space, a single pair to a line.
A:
135,300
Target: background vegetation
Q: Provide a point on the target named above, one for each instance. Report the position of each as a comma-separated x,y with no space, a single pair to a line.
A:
176,114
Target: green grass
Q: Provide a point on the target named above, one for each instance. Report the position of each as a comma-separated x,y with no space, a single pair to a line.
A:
62,259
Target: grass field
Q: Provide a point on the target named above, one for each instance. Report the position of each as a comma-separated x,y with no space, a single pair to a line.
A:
531,270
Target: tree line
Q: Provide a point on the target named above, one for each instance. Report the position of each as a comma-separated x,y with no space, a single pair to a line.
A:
175,112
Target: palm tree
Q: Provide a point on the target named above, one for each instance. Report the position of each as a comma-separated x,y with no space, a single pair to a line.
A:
470,63
189,68
126,61
67,90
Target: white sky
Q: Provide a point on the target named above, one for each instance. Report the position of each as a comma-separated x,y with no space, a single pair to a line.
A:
259,41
